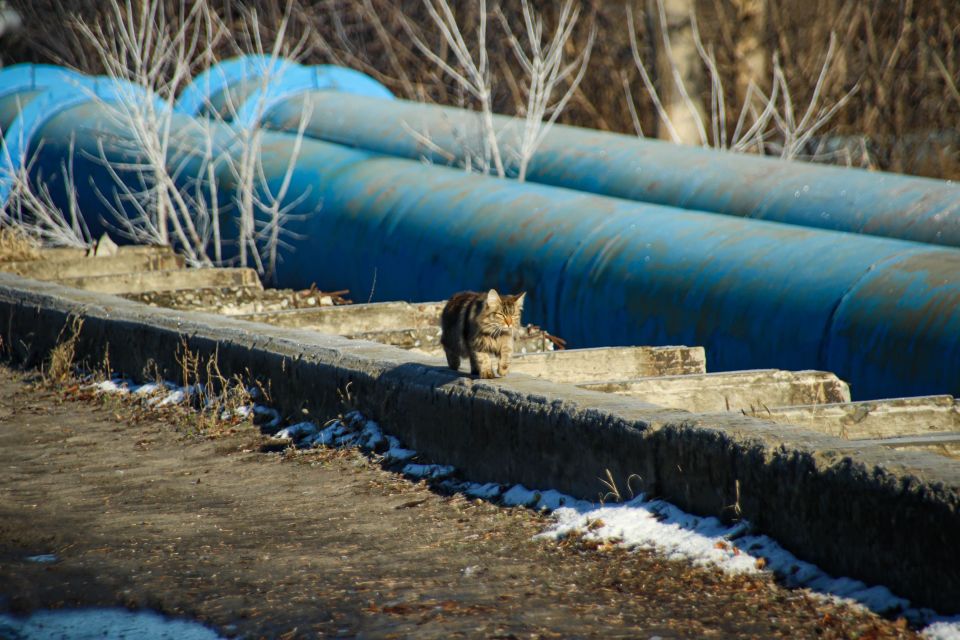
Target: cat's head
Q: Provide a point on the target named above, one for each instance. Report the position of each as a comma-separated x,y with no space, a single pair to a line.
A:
503,312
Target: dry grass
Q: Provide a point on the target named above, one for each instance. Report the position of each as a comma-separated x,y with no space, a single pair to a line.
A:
218,402
213,404
15,246
59,367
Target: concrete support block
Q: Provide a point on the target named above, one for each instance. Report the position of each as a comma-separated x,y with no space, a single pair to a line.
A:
873,418
944,444
585,365
233,301
427,340
75,253
355,319
120,264
165,280
746,391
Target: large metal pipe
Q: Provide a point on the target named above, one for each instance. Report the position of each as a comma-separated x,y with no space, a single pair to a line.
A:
21,83
881,313
242,88
31,94
745,185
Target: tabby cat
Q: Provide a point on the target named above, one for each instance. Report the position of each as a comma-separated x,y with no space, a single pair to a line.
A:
480,326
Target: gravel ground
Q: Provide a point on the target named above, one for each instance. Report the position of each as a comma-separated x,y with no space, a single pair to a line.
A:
142,513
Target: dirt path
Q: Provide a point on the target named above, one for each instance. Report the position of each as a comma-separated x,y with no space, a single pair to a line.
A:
327,545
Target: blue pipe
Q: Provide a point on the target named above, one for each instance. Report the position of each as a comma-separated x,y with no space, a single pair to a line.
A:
20,83
59,91
225,85
646,170
881,313
242,88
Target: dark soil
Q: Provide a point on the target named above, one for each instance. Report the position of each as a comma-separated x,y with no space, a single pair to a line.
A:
142,514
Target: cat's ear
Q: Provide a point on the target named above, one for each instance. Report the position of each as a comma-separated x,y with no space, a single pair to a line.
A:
519,300
493,298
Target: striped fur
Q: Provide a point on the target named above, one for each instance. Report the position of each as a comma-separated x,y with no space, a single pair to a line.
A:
480,327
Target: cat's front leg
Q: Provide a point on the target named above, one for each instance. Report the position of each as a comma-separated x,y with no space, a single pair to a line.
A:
481,363
506,352
453,357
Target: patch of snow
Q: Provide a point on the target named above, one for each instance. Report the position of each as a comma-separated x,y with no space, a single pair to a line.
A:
371,436
42,558
399,454
428,471
111,386
147,389
655,524
274,418
99,624
328,436
297,431
487,491
943,629
472,570
177,396
549,500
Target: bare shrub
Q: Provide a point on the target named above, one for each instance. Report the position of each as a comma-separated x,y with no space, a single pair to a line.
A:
537,88
33,212
764,123
60,363
903,53
152,50
215,399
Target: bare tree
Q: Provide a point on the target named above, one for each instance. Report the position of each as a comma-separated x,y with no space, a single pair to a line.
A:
545,71
150,60
471,73
765,124
680,72
750,55
151,198
31,208
545,68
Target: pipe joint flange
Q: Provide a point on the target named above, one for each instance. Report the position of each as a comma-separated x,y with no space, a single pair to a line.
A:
57,98
305,79
33,77
197,98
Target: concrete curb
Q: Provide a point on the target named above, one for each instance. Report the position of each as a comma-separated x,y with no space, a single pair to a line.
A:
884,516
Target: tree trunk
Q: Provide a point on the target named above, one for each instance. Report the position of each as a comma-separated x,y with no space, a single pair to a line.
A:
681,64
750,49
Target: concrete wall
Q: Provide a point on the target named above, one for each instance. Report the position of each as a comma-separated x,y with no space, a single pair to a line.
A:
883,516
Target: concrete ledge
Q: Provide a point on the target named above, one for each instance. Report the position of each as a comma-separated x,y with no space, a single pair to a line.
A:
583,365
120,264
427,339
232,300
872,418
945,444
881,515
165,280
747,391
356,318
74,253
